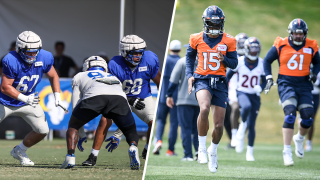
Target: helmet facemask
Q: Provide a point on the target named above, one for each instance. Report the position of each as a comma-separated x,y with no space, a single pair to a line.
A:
132,48
29,55
213,27
135,56
297,26
252,48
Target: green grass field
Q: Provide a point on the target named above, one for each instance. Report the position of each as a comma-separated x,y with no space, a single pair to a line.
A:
264,19
48,156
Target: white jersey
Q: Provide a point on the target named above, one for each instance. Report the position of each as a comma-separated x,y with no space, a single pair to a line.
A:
248,78
84,85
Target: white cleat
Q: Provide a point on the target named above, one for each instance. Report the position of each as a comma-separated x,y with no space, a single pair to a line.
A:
69,162
21,155
213,161
187,159
287,158
308,146
233,142
157,147
299,151
134,157
249,157
202,156
239,147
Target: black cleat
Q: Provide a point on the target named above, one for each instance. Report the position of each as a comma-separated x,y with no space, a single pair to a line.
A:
144,153
91,161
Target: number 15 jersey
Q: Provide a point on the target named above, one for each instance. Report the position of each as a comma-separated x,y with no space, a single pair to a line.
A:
135,83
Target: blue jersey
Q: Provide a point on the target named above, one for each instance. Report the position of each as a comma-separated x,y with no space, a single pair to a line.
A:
135,83
25,78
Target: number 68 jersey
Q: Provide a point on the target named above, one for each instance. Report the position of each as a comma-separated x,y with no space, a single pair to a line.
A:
25,78
249,74
135,83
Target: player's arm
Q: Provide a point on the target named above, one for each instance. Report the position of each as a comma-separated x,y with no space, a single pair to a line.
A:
230,60
230,73
268,60
157,79
316,65
190,59
7,88
174,82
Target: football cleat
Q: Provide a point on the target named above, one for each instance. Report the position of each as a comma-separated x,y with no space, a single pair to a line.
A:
202,156
91,161
21,155
134,157
229,146
213,161
144,153
308,146
287,158
171,153
249,157
233,142
299,151
69,162
196,156
187,159
240,144
157,147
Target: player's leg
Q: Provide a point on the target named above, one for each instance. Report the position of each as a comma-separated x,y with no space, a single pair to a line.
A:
127,125
308,145
173,131
305,107
255,106
146,115
185,115
100,136
35,117
162,113
245,105
204,100
227,125
196,111
234,114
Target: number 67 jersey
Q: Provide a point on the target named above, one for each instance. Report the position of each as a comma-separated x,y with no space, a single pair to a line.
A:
135,82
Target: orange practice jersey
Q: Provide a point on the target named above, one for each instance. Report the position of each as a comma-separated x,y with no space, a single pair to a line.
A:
208,62
292,62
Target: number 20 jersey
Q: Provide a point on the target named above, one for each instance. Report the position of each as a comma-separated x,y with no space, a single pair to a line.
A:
25,78
135,83
208,62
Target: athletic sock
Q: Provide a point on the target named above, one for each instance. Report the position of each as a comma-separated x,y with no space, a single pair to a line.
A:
287,148
250,149
23,147
300,136
95,152
214,147
202,142
233,133
71,152
146,146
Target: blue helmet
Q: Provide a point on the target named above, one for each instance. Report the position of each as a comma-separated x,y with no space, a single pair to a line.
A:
30,42
241,38
297,26
252,48
213,17
130,45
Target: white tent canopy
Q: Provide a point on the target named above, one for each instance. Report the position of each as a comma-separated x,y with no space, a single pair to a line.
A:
86,27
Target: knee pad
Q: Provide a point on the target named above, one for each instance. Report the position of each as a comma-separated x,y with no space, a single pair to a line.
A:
306,116
290,112
130,132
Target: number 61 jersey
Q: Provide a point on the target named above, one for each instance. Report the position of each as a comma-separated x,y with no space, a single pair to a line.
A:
25,78
135,83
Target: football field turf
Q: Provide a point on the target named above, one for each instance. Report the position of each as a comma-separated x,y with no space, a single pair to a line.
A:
268,164
48,156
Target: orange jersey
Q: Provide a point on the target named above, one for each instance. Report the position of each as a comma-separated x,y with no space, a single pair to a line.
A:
208,62
292,62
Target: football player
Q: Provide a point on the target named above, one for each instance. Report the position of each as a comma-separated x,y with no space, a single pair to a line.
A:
232,93
250,73
294,54
22,72
95,92
135,68
215,51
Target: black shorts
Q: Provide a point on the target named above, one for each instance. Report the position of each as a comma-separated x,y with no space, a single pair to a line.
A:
107,105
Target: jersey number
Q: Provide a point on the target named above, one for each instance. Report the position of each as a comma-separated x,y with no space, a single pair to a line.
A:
95,75
135,89
293,64
211,59
252,84
24,87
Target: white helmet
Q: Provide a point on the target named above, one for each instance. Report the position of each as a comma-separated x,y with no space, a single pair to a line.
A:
94,62
28,41
130,44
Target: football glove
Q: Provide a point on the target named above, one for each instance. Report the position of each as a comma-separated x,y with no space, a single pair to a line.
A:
257,89
58,101
136,103
79,145
113,144
312,77
268,86
32,99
